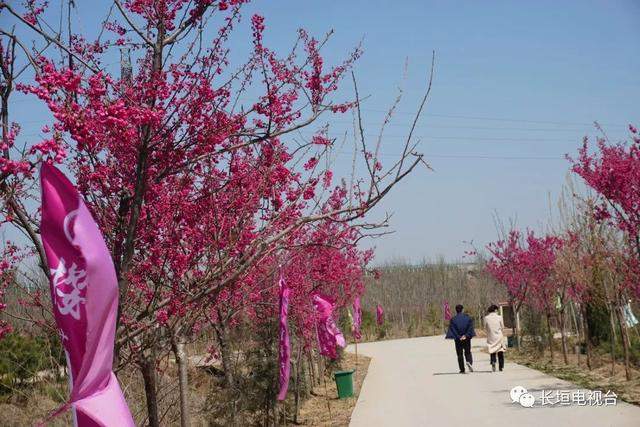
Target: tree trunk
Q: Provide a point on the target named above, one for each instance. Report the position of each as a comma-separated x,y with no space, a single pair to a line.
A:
296,407
563,336
550,336
574,317
625,340
613,340
323,373
586,333
225,353
148,368
313,370
516,326
178,347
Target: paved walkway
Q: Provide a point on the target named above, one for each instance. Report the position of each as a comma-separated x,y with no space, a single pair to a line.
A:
415,382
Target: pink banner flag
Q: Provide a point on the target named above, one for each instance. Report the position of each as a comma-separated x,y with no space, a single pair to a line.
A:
285,346
84,291
357,319
337,334
379,314
329,336
446,310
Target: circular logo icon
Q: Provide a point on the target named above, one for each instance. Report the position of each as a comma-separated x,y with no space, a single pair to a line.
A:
516,392
527,400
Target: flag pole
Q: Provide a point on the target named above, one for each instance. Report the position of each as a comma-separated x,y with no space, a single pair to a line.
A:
356,373
323,375
326,392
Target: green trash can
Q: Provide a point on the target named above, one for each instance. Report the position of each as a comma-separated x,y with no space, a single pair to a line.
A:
511,341
344,383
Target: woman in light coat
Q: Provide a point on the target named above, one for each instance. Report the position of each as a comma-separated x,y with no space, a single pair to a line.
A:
494,325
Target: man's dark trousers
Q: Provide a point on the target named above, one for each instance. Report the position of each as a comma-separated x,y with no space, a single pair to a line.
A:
463,346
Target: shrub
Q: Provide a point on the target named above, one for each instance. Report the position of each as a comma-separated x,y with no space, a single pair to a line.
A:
21,357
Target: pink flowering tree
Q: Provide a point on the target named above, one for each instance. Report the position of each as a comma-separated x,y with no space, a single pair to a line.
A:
199,192
319,258
524,267
507,268
613,171
571,273
593,268
539,260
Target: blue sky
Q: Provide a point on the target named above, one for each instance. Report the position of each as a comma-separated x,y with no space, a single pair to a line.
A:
517,85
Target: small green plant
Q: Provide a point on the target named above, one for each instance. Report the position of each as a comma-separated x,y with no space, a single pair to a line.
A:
368,323
21,357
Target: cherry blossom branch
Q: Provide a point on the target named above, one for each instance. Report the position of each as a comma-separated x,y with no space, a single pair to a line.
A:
47,37
133,26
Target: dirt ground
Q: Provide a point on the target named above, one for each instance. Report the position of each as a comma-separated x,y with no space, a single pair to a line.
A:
25,411
324,408
600,377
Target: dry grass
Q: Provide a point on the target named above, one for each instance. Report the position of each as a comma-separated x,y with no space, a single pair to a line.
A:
31,405
598,378
27,407
324,408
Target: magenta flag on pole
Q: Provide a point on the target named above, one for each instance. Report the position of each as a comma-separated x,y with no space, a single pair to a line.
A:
446,310
329,336
285,346
379,314
357,319
337,334
326,341
84,292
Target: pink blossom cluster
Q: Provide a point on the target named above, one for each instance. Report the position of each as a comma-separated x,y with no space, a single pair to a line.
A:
613,171
525,267
201,203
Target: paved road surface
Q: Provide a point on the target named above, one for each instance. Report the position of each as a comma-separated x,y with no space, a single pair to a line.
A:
415,382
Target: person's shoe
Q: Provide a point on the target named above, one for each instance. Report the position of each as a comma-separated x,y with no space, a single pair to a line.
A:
493,367
470,367
501,369
462,372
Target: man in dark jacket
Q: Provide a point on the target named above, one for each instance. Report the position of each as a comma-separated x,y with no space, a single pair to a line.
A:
461,331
